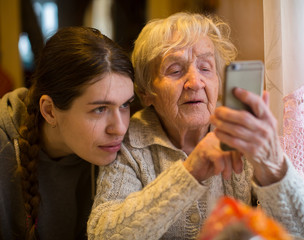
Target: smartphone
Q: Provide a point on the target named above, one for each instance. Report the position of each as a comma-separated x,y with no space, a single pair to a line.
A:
248,75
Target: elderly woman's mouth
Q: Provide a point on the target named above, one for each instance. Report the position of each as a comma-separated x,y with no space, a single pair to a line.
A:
194,102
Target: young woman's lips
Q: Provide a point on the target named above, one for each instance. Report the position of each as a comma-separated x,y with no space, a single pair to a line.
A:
111,148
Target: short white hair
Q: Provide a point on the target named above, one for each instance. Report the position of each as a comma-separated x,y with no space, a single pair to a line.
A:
155,40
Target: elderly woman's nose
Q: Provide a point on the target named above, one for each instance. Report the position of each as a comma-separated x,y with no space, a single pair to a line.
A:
194,79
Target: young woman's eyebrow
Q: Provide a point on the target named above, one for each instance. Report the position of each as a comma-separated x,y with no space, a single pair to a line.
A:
100,102
130,99
105,102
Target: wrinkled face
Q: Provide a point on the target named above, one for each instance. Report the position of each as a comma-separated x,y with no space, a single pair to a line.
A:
186,87
94,127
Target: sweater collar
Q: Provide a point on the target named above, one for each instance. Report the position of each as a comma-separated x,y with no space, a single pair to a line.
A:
145,130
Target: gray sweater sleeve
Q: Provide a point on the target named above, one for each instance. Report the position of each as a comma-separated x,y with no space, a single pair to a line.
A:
284,200
125,210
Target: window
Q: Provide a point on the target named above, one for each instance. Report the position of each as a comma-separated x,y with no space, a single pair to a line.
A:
47,16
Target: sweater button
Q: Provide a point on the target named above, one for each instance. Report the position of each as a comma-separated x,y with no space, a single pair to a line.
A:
195,218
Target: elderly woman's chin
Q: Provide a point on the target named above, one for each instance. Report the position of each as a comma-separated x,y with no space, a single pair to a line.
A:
195,116
196,120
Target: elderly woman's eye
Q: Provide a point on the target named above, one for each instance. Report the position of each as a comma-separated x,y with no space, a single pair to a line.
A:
174,70
204,67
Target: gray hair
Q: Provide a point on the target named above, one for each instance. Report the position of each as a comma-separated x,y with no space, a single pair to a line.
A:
155,40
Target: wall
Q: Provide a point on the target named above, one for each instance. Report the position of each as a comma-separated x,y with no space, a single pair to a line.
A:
244,16
9,36
246,21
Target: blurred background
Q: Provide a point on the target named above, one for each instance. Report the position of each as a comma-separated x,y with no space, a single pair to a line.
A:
25,25
267,30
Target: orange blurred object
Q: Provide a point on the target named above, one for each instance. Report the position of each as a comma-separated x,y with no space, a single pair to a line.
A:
233,217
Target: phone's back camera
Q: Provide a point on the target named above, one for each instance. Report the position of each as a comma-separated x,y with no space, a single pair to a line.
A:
234,66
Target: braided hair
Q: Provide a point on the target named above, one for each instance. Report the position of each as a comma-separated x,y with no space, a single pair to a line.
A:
70,60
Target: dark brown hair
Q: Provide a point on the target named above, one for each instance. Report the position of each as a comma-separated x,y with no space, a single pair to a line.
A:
70,60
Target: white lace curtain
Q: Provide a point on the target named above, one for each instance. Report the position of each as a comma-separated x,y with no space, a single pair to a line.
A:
284,72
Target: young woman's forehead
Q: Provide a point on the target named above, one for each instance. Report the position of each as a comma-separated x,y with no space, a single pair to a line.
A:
110,88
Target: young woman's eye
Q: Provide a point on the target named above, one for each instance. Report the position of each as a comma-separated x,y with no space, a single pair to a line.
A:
99,110
125,105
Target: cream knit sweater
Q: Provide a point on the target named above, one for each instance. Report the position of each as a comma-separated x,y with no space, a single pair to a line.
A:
147,193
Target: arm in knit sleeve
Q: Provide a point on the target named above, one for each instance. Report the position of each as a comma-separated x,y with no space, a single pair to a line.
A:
284,200
123,209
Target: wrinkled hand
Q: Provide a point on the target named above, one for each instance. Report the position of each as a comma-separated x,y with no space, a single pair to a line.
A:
254,135
207,159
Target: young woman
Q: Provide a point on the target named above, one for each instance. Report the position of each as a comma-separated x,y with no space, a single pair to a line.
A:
74,116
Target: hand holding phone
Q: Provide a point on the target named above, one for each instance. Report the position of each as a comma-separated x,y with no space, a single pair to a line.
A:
248,75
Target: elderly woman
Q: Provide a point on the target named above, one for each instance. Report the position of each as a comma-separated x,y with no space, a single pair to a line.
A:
171,170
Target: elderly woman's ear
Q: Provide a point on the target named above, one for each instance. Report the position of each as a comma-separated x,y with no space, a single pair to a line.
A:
146,98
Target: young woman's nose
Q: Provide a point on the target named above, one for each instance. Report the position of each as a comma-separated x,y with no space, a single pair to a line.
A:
194,80
118,124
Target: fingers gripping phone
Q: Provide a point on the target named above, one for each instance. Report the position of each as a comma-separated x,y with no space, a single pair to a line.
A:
248,75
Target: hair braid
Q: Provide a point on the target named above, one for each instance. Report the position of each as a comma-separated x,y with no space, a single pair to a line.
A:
29,155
